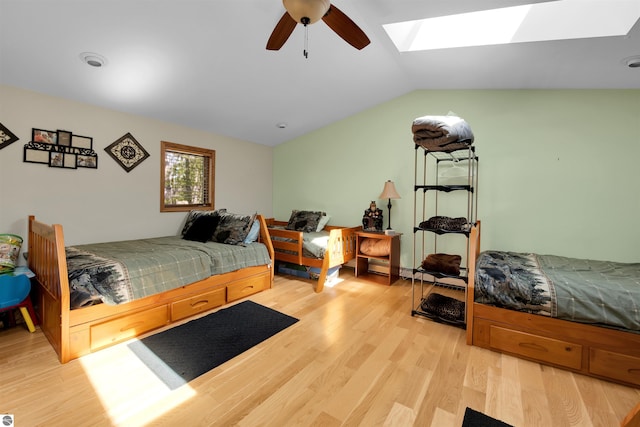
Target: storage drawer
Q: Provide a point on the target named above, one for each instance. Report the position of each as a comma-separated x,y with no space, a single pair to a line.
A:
128,327
614,365
535,347
246,287
197,304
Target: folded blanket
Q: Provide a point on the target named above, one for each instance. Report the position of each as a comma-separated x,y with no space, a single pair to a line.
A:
442,133
446,308
443,263
446,223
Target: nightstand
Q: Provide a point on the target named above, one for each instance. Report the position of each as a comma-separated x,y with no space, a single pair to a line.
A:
386,262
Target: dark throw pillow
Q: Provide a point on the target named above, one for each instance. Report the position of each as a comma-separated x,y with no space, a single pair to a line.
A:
233,228
202,228
306,221
195,214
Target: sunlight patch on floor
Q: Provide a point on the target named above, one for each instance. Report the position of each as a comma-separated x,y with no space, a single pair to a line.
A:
116,368
333,282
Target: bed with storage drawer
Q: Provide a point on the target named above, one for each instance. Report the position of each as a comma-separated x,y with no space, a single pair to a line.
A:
307,240
93,296
576,314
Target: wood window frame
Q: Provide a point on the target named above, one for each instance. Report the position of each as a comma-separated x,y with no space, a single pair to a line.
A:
187,149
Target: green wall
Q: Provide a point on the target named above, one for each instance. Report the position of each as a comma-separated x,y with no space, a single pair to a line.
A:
558,168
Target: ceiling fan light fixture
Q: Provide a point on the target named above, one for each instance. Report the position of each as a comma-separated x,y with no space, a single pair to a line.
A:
306,11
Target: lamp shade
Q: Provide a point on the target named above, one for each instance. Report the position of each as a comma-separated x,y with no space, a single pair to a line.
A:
313,10
389,191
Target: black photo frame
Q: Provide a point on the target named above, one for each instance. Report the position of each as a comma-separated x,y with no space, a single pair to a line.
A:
44,136
83,142
36,155
87,161
64,138
59,159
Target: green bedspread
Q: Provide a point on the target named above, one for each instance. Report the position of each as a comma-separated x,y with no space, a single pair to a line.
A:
119,272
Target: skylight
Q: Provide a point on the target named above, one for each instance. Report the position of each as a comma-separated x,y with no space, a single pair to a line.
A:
554,20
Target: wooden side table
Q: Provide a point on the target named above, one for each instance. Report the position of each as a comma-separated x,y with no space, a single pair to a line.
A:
390,263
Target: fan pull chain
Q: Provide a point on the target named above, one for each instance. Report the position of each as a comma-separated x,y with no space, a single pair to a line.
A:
306,42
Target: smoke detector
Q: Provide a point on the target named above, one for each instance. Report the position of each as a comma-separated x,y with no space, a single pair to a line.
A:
93,59
632,61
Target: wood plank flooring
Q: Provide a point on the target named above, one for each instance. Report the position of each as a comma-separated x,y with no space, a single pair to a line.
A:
356,358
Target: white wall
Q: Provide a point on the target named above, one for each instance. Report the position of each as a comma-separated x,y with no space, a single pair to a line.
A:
107,203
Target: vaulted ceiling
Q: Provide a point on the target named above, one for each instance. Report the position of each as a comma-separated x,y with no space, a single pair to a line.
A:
203,63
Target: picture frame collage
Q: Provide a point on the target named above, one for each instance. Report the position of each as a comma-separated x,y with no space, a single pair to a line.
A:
60,149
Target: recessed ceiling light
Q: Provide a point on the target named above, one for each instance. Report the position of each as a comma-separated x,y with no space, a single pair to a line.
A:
93,59
632,61
281,125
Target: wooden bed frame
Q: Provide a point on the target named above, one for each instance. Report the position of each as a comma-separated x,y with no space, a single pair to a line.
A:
341,248
590,350
74,333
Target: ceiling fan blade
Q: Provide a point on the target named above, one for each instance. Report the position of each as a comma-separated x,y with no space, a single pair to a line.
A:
281,32
343,26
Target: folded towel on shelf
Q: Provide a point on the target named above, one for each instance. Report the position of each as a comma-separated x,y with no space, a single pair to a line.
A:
442,133
446,223
443,263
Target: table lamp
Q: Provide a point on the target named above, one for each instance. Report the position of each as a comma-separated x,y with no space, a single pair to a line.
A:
389,192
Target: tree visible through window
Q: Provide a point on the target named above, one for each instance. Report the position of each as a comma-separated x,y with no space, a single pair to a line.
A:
187,178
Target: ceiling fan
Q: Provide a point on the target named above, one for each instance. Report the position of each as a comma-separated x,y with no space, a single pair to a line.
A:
308,12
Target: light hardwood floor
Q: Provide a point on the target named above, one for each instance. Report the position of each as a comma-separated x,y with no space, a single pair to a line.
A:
356,357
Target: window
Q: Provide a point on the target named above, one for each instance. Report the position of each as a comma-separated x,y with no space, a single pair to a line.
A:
538,21
186,178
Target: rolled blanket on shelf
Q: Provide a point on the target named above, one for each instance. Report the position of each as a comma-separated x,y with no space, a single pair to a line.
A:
443,263
442,133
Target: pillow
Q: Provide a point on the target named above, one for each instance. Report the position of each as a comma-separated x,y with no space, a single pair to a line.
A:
306,221
375,247
202,228
324,220
232,228
254,232
195,214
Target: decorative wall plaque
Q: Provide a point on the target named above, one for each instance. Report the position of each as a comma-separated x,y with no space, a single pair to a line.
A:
127,152
6,137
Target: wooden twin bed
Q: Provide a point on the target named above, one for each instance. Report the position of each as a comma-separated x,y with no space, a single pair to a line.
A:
601,352
74,333
288,247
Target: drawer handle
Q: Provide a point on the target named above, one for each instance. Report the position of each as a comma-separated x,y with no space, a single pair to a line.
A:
200,303
533,346
247,287
131,326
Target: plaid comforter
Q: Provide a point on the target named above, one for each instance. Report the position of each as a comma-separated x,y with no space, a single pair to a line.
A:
119,272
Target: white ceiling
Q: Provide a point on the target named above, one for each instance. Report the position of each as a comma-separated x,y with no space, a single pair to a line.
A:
203,63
